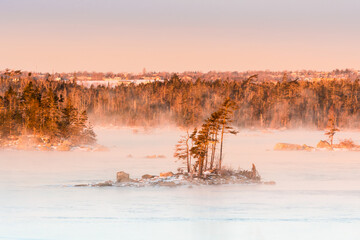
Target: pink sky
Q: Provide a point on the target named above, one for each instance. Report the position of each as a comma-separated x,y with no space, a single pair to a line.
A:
178,36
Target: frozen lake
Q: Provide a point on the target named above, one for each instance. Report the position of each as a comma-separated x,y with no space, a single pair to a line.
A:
317,195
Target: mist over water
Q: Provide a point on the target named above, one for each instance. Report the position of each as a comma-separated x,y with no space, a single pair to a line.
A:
316,196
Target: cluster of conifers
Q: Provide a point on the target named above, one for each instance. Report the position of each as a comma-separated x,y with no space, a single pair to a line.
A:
260,104
37,110
199,148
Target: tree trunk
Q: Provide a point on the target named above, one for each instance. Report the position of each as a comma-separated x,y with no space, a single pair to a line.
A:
213,152
206,157
221,145
187,153
201,163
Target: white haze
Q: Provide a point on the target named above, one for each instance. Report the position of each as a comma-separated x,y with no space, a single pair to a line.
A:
317,195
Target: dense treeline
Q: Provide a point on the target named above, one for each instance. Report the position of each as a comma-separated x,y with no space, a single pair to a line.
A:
39,111
259,104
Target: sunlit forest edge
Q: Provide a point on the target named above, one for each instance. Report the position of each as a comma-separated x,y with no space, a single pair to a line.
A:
60,109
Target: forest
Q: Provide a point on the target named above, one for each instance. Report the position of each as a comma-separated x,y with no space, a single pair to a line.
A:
284,104
40,112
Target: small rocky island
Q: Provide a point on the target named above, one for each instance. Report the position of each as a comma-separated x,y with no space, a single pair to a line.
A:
330,131
347,144
202,158
37,143
35,117
170,179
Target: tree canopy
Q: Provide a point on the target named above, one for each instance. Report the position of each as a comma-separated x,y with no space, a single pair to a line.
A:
39,111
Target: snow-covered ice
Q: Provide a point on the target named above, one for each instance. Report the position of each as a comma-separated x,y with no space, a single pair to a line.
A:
316,196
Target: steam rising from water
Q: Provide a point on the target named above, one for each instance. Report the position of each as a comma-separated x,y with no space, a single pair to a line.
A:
316,196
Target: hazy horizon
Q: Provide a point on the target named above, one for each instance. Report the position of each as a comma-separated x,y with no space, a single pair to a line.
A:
177,36
177,72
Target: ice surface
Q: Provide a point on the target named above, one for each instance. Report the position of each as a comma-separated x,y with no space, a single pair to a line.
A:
317,195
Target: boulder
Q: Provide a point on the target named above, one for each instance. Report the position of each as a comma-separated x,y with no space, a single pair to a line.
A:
22,146
166,174
66,142
122,177
104,184
346,144
287,146
100,148
25,143
44,148
307,148
324,144
64,146
155,156
167,184
81,185
270,183
148,176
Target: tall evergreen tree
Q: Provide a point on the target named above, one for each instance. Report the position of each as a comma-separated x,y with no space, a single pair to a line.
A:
331,128
226,111
51,115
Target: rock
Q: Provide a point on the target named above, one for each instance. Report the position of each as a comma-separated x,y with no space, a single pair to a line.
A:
81,185
100,148
155,156
166,174
45,139
324,144
254,173
307,148
270,183
167,184
104,184
66,142
148,176
87,149
122,177
346,144
26,143
63,148
44,148
22,146
287,146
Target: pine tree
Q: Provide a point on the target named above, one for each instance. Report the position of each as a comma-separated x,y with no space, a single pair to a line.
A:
206,139
214,123
331,128
200,148
87,135
226,111
27,111
30,107
12,114
182,151
69,121
51,115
